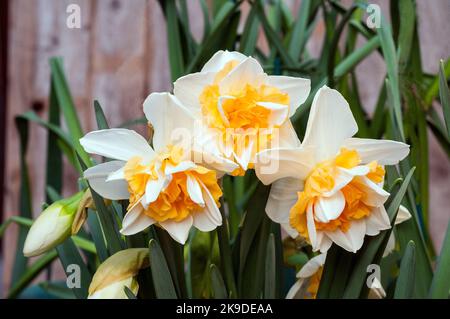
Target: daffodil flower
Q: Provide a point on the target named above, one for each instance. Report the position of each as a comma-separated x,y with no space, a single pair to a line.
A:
330,188
163,184
242,109
308,281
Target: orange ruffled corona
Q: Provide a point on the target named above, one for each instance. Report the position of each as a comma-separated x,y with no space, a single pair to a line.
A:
321,180
174,202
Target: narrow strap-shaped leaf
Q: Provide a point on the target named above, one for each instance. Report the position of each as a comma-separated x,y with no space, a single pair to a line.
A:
31,273
444,95
299,36
25,203
329,269
129,293
70,257
270,270
162,279
173,40
249,36
97,235
100,117
218,286
440,286
67,106
54,169
404,287
406,32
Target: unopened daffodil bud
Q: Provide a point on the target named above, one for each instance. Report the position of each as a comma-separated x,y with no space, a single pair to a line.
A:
117,272
81,215
52,227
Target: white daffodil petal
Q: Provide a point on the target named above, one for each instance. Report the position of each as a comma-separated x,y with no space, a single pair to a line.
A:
97,175
135,221
220,58
329,208
181,167
294,291
153,189
330,123
117,175
172,122
352,239
385,152
117,143
278,112
377,221
402,215
188,89
287,137
179,231
312,266
209,218
293,233
278,163
194,190
248,71
297,88
282,197
323,242
244,157
213,161
374,195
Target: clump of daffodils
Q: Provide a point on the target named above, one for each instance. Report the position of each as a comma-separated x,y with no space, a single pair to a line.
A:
226,119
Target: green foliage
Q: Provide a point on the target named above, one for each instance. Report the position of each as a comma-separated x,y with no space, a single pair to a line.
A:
245,256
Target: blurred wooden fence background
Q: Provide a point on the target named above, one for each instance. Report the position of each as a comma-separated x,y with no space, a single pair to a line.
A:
119,56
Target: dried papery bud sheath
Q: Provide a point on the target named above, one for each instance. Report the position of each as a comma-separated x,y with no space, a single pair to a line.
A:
52,227
81,214
118,271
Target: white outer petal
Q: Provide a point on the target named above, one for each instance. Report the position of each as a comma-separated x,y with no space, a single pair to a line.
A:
377,221
298,89
114,189
117,143
179,231
385,152
351,240
208,218
330,123
312,266
188,89
278,112
282,197
278,163
172,122
135,220
220,58
248,71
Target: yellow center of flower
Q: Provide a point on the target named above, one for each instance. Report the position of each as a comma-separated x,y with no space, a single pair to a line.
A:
239,110
322,180
173,202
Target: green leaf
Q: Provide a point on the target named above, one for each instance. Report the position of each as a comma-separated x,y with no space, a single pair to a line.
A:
404,287
252,220
218,286
162,280
25,203
444,95
66,105
270,270
173,40
54,164
272,36
250,34
299,35
97,235
58,290
390,56
433,88
225,255
100,117
31,273
129,293
440,285
406,32
69,256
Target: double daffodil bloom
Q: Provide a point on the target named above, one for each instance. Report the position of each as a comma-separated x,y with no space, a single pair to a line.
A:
163,184
242,109
330,188
117,272
308,278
